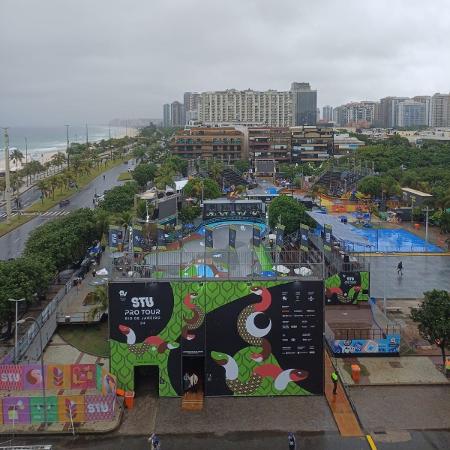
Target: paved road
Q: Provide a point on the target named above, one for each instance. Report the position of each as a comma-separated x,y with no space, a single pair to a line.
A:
12,244
423,440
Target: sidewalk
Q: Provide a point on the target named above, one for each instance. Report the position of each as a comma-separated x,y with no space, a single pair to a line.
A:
403,370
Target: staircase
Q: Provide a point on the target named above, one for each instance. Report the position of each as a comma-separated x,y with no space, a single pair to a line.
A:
231,177
192,401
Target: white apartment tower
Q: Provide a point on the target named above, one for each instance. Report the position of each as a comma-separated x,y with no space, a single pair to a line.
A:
440,110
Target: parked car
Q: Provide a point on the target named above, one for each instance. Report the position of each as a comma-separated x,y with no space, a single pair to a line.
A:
64,203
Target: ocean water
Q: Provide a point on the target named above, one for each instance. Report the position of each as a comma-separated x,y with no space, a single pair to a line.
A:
51,139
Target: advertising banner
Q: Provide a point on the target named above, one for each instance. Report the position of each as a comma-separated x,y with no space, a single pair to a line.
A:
209,242
347,288
232,237
114,237
16,410
37,409
99,407
327,232
32,376
82,376
256,237
279,232
11,377
71,406
58,376
391,344
138,238
304,237
160,238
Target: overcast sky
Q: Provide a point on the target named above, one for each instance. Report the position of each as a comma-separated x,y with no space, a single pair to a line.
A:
72,61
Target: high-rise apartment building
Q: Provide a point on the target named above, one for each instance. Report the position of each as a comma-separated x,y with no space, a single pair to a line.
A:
357,114
166,116
440,110
191,105
426,100
177,114
304,104
311,144
411,114
269,144
327,113
271,108
388,112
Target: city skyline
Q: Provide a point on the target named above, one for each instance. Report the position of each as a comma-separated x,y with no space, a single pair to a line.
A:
128,65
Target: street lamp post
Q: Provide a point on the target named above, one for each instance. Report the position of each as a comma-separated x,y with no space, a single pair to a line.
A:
15,328
42,363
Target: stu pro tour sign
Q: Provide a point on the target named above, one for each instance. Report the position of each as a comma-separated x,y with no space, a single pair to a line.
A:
139,310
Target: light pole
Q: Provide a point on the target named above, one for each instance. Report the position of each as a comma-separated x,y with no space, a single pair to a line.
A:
42,363
16,322
7,178
67,147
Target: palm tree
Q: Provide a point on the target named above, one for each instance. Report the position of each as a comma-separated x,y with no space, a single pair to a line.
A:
47,166
102,221
215,170
43,186
53,183
58,159
102,303
16,181
125,219
16,155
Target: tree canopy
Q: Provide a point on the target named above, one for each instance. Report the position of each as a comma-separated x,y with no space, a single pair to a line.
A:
144,173
433,317
120,198
289,212
194,188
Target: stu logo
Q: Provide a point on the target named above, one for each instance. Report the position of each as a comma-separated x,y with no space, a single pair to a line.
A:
101,407
10,377
142,302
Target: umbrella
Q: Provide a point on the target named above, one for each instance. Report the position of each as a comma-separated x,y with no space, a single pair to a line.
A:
102,272
116,255
303,271
272,236
267,273
282,269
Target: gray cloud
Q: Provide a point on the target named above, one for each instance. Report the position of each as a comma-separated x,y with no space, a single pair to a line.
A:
83,60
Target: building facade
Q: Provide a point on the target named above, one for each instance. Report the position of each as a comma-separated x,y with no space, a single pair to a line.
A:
270,108
357,114
440,110
327,113
426,100
304,104
311,144
388,113
223,144
191,105
166,116
411,114
177,114
269,144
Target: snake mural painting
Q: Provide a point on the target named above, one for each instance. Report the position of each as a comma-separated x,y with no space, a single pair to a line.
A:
257,338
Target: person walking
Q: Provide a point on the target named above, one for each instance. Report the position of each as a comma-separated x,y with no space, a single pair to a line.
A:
155,443
400,268
104,177
334,379
291,441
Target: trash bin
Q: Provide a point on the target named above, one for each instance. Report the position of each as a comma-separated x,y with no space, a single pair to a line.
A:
120,392
356,373
129,399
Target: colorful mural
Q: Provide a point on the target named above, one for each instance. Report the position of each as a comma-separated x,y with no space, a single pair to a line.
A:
347,288
257,338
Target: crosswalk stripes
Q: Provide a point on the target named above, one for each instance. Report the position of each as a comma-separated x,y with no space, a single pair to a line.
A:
61,212
3,215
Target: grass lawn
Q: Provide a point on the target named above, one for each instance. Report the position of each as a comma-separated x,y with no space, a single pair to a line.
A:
125,176
92,339
264,258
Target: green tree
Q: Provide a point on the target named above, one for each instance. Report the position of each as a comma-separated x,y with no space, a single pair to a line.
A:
195,186
58,159
101,302
120,198
188,213
289,212
433,318
16,156
242,165
144,173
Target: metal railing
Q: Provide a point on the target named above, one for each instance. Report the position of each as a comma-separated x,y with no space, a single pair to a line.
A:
248,263
347,334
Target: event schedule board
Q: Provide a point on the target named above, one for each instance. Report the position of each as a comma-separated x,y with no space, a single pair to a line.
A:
301,319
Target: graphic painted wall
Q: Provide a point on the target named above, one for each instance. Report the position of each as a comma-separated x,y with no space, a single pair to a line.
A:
390,344
347,288
257,338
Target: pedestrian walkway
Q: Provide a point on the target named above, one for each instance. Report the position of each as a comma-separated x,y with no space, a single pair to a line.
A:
339,404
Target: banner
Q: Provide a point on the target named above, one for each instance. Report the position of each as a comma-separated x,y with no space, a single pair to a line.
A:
279,233
99,407
58,376
138,238
32,376
16,410
327,232
71,407
82,376
256,237
304,237
232,237
37,409
11,378
115,237
209,243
